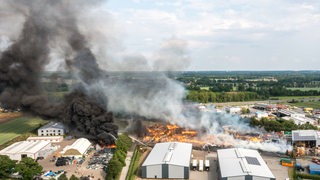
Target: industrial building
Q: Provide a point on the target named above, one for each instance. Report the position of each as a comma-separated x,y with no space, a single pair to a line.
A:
233,110
306,138
299,117
52,129
242,164
52,139
168,160
31,149
77,149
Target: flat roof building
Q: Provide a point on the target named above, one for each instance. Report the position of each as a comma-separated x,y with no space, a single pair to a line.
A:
52,139
307,138
19,150
242,164
168,160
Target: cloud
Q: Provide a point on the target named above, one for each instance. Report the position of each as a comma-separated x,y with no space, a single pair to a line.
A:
253,31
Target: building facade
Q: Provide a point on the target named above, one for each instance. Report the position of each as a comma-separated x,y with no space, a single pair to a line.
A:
52,129
168,160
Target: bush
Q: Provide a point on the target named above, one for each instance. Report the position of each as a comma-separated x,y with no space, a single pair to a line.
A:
308,176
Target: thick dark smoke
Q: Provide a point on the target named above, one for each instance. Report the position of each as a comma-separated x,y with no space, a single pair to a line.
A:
23,62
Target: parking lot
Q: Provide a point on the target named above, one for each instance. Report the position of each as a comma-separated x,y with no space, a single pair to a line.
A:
212,173
280,172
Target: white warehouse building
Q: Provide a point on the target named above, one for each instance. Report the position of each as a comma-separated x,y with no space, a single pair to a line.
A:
22,149
168,160
52,129
77,149
242,164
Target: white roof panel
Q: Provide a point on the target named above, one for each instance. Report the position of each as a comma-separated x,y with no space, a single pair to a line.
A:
175,153
234,162
81,145
25,147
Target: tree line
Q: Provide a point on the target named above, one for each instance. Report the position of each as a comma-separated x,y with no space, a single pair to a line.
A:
209,96
279,125
117,161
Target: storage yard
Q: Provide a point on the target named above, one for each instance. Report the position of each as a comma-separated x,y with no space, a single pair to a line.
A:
77,166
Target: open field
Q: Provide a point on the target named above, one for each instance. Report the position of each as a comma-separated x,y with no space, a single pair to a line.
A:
293,97
18,126
4,117
314,104
305,89
205,88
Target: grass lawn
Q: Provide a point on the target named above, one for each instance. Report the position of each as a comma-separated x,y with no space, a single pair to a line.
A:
16,127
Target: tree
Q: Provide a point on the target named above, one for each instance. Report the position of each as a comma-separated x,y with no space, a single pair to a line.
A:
114,167
244,110
6,166
62,177
73,177
28,168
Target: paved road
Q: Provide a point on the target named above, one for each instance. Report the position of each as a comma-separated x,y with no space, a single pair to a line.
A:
266,101
126,168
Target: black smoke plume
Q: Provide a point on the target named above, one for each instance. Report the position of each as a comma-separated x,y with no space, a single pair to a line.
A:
23,62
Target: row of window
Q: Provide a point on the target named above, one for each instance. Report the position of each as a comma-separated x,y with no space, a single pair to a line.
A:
51,134
51,131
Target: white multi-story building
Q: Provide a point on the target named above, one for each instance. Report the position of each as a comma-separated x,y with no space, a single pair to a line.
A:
52,129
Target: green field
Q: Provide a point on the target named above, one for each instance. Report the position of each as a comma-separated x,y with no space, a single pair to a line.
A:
293,97
305,89
205,88
314,105
17,127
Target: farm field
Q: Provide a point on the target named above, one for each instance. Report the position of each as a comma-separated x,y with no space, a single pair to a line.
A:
314,104
16,127
9,115
305,89
293,97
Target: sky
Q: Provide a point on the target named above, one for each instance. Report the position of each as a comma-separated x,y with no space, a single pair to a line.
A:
223,34
196,35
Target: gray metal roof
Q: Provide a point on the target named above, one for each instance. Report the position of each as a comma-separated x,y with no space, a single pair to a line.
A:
52,124
305,135
175,153
240,162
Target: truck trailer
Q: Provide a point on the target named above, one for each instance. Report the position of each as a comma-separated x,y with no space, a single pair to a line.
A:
207,165
200,165
194,164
